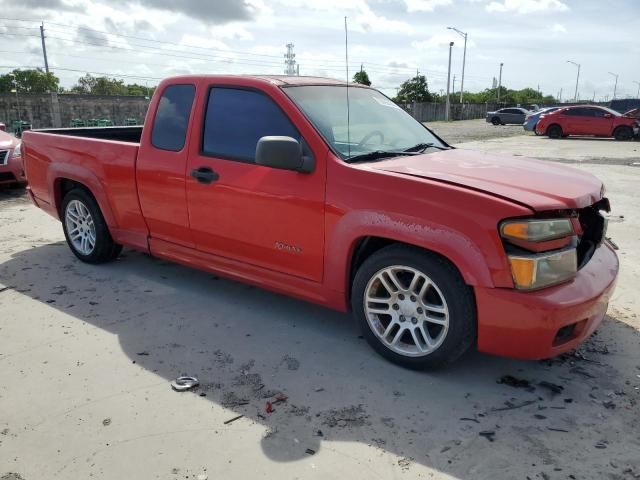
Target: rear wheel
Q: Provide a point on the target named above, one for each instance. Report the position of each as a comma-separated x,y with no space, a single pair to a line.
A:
85,229
413,307
495,120
623,133
554,131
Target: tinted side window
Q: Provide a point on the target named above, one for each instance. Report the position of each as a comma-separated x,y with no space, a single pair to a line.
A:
172,117
236,119
596,112
574,112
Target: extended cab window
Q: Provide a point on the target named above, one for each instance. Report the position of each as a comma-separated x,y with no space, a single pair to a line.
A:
172,117
236,119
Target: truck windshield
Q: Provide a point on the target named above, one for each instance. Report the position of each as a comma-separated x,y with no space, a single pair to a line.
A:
376,124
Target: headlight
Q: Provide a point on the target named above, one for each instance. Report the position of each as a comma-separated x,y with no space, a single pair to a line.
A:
531,272
536,230
541,252
17,152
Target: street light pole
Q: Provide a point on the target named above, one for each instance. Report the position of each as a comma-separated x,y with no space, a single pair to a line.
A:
615,87
446,115
500,82
575,95
15,90
638,83
464,58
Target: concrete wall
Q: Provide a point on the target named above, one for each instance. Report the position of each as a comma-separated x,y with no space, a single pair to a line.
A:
57,110
434,112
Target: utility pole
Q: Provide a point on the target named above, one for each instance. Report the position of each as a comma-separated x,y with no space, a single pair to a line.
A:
44,48
560,97
615,87
290,63
464,58
638,83
500,82
15,90
446,113
575,95
453,84
297,69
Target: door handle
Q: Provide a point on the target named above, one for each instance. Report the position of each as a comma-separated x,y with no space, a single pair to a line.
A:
204,175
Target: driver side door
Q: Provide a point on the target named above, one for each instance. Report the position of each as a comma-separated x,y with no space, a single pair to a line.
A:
261,216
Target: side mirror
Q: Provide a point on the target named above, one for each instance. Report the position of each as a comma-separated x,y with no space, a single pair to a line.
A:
284,153
607,115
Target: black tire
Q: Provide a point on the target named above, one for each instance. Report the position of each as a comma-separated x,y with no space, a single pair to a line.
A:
623,133
105,249
554,131
496,121
459,298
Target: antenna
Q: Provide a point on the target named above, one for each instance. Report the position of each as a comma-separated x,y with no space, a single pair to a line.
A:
346,59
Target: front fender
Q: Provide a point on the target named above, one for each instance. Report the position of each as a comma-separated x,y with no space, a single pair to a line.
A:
475,265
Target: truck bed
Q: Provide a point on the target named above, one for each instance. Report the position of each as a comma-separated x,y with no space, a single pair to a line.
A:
121,134
102,159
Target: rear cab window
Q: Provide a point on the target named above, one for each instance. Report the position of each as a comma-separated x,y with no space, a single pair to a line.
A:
172,117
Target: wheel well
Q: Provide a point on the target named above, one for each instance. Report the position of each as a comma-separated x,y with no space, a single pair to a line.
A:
554,125
367,246
62,186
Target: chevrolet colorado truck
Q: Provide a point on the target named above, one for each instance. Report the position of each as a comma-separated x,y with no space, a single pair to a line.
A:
331,193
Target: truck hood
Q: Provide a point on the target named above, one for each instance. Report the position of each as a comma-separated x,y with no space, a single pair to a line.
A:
535,183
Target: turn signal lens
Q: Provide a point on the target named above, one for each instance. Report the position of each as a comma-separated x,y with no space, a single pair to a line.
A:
536,230
543,270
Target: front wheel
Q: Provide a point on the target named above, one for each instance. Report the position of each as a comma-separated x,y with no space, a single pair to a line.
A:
495,121
85,229
413,307
554,131
623,133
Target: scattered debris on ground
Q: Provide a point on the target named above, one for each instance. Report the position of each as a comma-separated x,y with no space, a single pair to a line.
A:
184,383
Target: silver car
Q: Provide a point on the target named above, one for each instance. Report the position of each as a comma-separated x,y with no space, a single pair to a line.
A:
505,116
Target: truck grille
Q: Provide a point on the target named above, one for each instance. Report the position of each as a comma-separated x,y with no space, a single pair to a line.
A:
4,157
594,228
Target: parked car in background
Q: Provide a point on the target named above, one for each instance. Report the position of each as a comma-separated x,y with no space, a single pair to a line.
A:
531,120
433,249
504,116
11,167
588,120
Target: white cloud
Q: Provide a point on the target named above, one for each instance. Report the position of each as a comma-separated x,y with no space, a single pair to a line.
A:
426,5
558,28
527,6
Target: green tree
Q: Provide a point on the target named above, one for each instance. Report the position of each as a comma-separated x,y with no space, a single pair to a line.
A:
29,81
414,90
100,86
362,78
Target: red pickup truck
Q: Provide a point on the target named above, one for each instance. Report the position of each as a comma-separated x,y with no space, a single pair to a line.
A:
332,194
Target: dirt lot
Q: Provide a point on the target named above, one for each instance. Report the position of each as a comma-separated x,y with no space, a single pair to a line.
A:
87,354
472,130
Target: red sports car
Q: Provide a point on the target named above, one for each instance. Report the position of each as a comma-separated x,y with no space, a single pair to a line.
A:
11,166
586,120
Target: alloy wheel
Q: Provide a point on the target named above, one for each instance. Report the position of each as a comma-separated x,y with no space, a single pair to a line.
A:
406,310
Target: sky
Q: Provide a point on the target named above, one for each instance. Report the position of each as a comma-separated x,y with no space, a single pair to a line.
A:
143,41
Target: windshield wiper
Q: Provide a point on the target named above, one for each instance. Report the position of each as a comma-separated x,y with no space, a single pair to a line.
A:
375,155
421,147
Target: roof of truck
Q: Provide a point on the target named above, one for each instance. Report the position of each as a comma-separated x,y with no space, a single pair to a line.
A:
279,80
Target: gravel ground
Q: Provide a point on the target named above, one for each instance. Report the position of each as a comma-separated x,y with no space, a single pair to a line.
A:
88,353
470,130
